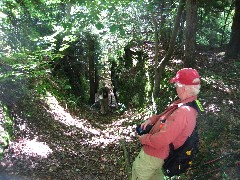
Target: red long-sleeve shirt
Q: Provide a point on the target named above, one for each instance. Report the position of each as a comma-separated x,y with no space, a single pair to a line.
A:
180,123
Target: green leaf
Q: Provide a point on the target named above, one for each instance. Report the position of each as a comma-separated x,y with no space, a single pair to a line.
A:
113,28
67,87
122,31
99,26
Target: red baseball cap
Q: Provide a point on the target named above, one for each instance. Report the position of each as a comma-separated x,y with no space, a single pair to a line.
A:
187,76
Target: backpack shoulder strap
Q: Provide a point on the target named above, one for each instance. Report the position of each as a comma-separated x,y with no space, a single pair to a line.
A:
196,105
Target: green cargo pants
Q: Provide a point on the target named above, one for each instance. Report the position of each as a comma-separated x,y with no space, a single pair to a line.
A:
104,105
147,167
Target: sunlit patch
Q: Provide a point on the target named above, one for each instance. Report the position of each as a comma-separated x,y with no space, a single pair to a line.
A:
228,102
177,61
2,15
219,84
112,133
61,115
35,148
117,131
32,148
213,108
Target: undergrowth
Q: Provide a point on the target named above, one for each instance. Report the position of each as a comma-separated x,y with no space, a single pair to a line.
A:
6,129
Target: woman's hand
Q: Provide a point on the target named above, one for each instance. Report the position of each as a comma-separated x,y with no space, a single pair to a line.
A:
144,125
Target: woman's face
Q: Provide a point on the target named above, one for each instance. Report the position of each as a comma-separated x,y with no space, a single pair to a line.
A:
180,91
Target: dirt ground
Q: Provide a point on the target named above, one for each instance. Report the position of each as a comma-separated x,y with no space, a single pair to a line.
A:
53,143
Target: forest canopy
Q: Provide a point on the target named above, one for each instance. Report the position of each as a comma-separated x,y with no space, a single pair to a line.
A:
93,34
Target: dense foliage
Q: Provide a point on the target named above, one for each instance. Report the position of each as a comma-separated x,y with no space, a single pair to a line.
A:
44,35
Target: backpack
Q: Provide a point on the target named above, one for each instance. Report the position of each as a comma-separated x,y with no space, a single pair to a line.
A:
105,92
180,160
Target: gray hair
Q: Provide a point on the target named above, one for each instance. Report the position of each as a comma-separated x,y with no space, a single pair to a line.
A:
193,90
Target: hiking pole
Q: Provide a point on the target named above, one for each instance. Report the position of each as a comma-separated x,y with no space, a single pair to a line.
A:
211,161
201,175
127,158
207,163
214,160
210,172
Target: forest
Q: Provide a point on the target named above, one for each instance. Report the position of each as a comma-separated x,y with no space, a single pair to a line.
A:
55,55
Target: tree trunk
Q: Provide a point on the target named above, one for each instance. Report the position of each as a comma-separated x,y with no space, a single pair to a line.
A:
163,34
225,23
156,50
91,70
164,61
181,35
190,34
234,43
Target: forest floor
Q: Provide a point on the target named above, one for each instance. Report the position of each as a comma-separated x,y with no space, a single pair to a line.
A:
54,142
